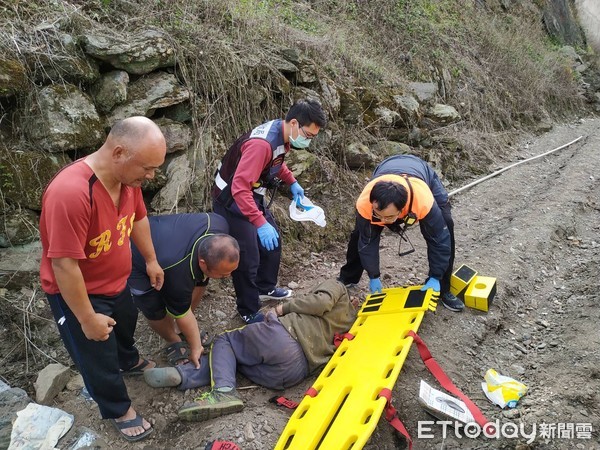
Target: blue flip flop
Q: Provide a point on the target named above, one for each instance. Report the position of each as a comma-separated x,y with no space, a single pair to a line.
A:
138,421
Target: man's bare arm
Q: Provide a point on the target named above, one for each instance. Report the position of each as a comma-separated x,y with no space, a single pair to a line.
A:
69,279
142,238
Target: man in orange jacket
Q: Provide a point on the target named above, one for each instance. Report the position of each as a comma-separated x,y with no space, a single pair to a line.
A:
404,190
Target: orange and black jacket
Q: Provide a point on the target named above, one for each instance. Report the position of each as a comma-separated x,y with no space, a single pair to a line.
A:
424,207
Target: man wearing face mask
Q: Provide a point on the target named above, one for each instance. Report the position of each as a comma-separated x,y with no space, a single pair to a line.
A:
253,165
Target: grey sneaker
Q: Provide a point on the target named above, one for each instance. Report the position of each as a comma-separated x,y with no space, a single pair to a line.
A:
212,404
452,302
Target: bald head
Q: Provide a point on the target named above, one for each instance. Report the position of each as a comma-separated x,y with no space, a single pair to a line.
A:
136,147
135,132
218,255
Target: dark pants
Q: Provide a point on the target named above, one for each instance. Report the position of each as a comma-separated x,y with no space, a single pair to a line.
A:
264,352
100,362
353,269
258,268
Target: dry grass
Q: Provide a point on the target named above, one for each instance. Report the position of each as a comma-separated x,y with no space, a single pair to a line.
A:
504,73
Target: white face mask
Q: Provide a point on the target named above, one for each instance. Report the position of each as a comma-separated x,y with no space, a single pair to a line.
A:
300,141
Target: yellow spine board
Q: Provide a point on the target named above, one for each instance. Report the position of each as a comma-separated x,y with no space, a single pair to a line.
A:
347,407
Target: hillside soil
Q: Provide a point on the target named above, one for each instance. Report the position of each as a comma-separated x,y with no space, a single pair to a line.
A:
536,229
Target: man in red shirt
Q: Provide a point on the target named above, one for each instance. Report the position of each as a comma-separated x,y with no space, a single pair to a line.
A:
90,210
251,166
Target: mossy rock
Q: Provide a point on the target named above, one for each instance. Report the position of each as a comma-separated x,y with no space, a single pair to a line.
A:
18,227
62,118
303,164
25,174
13,78
385,149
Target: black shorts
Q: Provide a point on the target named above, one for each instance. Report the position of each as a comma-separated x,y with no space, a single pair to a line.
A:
154,306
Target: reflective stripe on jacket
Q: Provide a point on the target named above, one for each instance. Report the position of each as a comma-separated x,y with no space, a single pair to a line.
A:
269,132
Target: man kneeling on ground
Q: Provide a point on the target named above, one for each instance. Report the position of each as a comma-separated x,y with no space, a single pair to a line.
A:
192,248
294,341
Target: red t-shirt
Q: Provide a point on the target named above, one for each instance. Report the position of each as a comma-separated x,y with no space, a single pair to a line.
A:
79,220
256,155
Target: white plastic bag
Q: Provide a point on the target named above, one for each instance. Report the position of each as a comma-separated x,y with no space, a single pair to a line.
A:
501,390
305,210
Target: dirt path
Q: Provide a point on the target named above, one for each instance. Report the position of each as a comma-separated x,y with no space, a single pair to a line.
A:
536,228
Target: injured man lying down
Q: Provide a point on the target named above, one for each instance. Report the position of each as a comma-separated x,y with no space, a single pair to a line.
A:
294,341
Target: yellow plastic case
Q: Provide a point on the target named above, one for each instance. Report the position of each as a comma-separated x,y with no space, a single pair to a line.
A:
461,279
347,406
480,293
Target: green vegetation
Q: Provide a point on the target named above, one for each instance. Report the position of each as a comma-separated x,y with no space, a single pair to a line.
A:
498,68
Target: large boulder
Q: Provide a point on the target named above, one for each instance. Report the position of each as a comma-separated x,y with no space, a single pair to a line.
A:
408,108
425,92
178,135
386,117
359,156
13,77
370,100
559,20
307,72
383,149
303,163
148,93
302,92
283,65
443,113
179,176
57,57
137,54
18,227
25,174
280,84
63,118
110,90
350,107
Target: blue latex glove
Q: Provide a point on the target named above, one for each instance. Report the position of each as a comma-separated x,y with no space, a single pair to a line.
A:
297,191
375,285
268,236
432,283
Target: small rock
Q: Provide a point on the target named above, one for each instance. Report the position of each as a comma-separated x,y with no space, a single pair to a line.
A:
293,285
520,370
50,381
553,344
220,314
249,433
511,413
541,346
543,323
75,383
520,348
